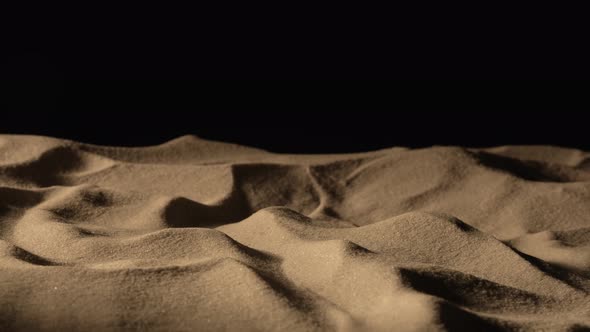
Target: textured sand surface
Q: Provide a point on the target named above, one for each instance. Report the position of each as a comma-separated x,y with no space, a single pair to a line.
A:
198,235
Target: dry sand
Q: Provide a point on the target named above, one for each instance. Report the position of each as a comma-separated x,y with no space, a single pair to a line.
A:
199,235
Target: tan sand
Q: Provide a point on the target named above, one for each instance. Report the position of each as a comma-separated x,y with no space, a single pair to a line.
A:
198,235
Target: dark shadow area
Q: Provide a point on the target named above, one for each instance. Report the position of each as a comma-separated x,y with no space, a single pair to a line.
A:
528,170
30,258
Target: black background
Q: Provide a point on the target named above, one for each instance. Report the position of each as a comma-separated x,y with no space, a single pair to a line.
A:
304,82
303,117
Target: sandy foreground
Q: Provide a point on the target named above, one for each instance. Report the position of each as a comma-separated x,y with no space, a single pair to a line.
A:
199,235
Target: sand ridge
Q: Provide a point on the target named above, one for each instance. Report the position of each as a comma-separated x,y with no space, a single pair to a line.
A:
199,235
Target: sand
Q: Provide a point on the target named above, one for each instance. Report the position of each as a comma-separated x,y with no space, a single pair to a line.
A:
199,235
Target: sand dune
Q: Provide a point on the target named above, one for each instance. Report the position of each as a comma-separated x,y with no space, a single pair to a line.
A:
198,235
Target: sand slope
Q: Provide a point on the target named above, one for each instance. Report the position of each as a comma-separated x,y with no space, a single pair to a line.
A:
199,235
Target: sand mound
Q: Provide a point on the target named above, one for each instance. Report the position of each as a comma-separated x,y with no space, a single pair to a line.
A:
198,235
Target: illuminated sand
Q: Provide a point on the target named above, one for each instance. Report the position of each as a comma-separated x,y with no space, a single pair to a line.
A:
198,235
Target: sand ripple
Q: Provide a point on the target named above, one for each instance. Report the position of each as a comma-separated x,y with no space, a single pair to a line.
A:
198,235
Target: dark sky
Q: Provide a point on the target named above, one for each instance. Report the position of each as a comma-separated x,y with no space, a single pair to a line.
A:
308,117
138,79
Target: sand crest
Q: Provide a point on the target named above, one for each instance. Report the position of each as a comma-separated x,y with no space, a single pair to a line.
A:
199,235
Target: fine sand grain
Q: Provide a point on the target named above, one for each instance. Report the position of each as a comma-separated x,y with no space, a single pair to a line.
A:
194,235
